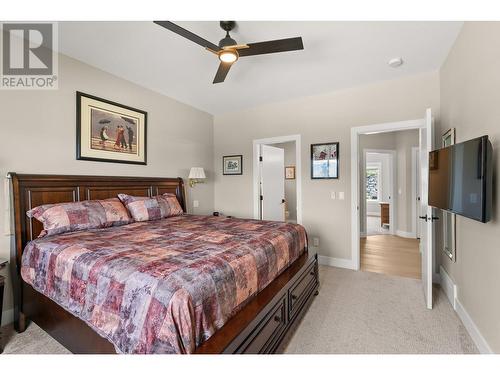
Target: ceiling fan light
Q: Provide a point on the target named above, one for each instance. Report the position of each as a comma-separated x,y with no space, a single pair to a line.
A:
228,56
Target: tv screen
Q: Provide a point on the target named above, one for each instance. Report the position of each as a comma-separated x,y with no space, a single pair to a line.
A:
460,179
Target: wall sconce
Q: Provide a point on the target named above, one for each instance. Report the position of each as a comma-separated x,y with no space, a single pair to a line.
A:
196,176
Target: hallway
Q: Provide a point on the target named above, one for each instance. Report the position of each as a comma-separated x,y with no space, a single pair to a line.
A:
391,255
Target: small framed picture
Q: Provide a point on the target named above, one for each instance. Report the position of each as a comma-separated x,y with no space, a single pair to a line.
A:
232,165
109,131
290,173
325,160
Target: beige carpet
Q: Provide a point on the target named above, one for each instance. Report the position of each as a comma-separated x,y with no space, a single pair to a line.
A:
355,312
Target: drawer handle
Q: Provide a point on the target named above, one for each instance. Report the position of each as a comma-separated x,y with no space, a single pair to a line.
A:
294,296
312,273
277,318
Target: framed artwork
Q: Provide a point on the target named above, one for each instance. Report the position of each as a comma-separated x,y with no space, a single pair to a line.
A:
290,173
232,165
325,160
108,131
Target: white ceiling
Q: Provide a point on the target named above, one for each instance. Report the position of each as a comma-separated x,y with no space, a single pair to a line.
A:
336,55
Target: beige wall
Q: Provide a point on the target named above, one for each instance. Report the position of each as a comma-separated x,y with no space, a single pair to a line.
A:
320,118
470,102
38,133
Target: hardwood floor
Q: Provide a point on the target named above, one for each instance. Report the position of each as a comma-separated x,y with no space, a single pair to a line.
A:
391,255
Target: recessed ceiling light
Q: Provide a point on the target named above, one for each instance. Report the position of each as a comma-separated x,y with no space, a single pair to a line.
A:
396,62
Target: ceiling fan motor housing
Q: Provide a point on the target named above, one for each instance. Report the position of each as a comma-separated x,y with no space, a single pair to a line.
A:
227,26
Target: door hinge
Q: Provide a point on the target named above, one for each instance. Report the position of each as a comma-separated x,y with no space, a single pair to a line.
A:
260,158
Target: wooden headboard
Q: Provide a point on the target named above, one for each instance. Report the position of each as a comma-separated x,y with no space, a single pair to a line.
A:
32,190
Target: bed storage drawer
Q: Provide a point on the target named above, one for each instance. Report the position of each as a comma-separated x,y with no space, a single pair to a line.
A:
264,337
299,292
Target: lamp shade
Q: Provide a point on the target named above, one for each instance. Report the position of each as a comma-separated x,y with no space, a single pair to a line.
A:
197,173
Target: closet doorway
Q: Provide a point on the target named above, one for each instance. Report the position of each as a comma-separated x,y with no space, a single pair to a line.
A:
277,179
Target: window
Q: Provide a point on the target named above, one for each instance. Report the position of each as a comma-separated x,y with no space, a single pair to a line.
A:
373,183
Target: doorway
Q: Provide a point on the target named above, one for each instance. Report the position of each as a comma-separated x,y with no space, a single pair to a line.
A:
277,179
425,245
389,245
377,189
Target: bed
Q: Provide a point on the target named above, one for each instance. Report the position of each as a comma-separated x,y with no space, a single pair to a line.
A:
247,283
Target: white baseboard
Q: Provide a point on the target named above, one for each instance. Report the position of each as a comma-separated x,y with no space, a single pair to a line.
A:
471,327
336,262
7,317
449,287
362,234
404,234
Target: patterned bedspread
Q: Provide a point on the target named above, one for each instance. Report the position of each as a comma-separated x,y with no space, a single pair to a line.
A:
161,286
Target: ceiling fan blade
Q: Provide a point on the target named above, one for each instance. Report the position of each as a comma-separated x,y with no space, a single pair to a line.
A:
188,35
272,46
221,74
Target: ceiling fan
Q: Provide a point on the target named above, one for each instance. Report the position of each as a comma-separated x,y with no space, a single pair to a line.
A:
229,51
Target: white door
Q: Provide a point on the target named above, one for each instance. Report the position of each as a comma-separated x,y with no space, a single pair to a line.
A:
426,214
272,183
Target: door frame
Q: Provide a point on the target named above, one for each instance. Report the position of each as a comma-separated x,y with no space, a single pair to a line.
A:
256,170
415,193
392,182
356,132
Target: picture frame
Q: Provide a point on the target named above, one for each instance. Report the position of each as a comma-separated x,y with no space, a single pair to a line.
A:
111,132
325,161
232,165
290,173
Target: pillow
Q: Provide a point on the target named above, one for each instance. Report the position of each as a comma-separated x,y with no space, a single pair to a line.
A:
154,208
69,217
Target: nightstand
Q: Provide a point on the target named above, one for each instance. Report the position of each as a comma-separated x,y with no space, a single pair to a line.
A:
3,263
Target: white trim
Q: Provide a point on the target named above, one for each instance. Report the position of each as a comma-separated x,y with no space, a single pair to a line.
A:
414,158
336,262
448,286
298,170
402,233
470,326
7,317
450,289
355,133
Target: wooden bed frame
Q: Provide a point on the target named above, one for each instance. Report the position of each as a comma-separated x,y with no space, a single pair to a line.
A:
262,326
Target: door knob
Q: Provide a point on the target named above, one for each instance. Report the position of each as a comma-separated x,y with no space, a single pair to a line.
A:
283,201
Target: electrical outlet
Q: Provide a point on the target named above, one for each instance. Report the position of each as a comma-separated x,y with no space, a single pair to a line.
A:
196,204
315,241
332,195
341,195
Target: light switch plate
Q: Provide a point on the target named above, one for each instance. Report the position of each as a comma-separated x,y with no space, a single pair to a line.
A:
196,204
341,195
332,195
315,241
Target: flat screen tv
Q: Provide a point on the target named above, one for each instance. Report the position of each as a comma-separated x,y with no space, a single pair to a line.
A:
460,179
